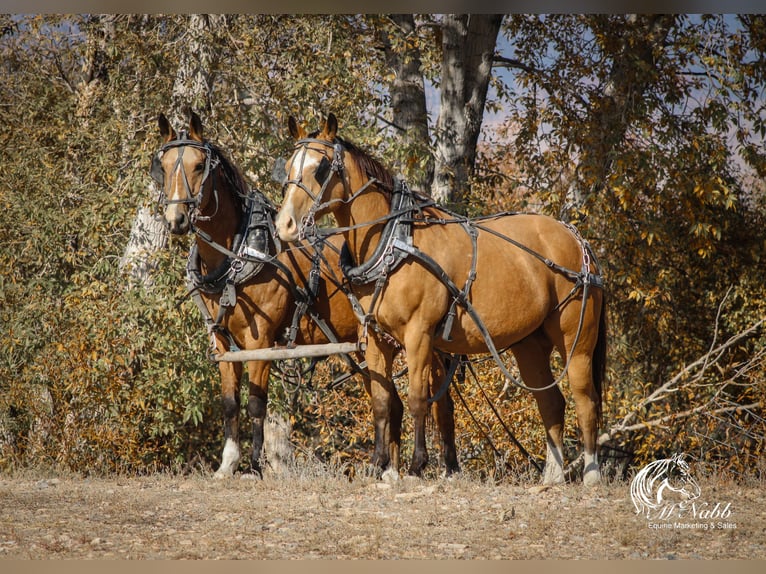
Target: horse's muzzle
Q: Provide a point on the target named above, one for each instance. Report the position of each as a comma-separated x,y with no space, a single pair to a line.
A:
286,226
177,223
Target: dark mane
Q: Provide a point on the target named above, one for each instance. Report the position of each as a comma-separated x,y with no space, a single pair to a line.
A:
232,174
367,164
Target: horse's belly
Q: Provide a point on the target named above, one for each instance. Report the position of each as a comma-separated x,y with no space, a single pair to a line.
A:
513,291
505,324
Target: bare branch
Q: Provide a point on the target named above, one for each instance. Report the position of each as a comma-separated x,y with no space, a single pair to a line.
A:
503,62
661,421
715,333
704,362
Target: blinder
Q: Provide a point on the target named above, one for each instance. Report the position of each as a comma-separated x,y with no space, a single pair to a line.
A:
279,171
322,171
157,171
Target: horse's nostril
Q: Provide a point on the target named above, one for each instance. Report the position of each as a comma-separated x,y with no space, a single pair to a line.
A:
177,223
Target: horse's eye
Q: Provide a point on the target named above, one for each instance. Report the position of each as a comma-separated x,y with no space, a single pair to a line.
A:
200,166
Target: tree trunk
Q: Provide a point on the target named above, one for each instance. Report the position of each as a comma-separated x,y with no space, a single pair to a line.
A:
408,102
279,451
147,236
468,47
196,69
95,70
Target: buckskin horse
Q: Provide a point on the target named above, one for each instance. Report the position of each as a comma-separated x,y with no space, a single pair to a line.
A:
250,292
433,279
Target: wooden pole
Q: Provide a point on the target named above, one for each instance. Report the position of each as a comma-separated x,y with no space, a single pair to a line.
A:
276,353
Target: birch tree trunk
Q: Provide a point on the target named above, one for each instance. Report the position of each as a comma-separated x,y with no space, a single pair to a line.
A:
198,61
633,70
148,234
468,47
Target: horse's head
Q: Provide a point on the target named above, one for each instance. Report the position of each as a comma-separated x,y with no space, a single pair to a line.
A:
680,480
662,482
182,168
313,178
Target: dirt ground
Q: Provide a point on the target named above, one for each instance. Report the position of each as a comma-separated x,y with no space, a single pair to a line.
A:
330,517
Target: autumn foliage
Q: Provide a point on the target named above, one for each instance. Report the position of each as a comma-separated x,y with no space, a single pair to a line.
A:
98,375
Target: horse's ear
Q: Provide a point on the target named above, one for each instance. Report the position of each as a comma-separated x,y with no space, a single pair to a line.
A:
683,458
166,131
296,130
195,126
330,128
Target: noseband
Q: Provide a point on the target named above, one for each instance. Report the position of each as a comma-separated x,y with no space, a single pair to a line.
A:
192,200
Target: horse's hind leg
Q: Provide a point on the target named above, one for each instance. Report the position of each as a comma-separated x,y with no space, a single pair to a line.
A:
581,382
533,358
231,374
258,372
444,414
585,399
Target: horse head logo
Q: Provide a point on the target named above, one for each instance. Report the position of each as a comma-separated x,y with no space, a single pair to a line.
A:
664,482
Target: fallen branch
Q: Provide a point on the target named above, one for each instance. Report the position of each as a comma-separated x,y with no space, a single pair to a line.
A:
661,421
705,362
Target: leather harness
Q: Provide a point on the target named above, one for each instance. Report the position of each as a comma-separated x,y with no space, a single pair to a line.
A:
396,245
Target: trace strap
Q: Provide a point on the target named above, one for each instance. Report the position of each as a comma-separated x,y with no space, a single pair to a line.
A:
396,244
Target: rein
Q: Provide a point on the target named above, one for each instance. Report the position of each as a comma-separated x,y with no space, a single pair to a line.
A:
392,249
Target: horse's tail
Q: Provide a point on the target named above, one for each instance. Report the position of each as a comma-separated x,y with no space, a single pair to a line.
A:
599,360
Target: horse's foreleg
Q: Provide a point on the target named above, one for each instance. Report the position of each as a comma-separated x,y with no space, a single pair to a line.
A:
258,372
231,374
419,357
533,358
387,408
444,414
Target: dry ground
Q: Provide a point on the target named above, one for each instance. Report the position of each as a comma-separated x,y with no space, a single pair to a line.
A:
306,517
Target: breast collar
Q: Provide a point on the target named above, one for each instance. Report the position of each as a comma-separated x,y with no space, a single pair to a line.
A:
397,231
246,257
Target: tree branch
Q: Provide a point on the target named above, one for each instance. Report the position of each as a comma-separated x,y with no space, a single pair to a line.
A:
503,62
704,362
671,418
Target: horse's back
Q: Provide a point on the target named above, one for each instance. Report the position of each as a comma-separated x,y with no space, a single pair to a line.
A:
544,235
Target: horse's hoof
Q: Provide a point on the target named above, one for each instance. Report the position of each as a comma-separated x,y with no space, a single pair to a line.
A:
591,478
553,475
222,475
390,476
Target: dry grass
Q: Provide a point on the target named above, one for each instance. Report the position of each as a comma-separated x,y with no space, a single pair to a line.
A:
316,514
